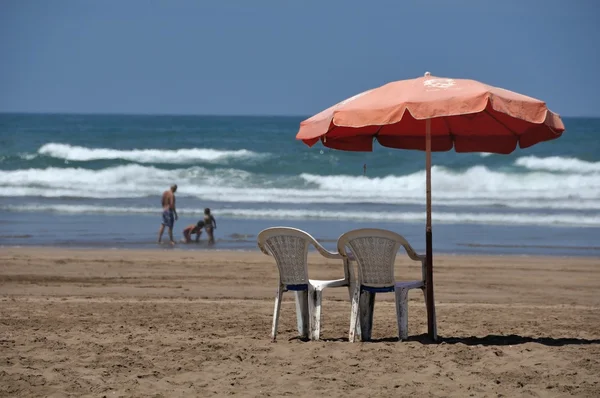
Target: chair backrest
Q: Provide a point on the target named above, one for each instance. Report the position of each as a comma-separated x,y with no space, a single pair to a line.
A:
375,252
289,247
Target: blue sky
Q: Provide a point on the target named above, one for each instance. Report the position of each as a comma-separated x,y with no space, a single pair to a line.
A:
280,57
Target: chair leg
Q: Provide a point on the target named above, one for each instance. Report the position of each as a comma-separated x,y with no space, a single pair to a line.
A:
302,313
354,324
351,289
314,309
367,305
276,312
402,313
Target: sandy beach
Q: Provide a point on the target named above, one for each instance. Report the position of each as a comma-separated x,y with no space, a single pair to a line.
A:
167,323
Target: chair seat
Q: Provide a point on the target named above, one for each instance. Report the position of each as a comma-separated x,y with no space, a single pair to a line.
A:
297,288
398,285
410,284
377,289
319,284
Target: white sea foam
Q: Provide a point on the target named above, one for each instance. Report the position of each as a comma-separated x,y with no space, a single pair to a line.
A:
302,214
558,163
114,182
438,217
475,183
177,156
477,186
28,156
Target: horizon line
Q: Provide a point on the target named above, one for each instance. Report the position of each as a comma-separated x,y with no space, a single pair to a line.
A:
71,113
148,114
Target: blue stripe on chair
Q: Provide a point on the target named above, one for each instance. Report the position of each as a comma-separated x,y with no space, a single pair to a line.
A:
385,289
300,287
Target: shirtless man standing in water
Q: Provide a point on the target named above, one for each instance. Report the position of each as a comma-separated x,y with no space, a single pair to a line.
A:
169,214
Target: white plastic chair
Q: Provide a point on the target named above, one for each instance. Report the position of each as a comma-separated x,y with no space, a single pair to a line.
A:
289,247
375,252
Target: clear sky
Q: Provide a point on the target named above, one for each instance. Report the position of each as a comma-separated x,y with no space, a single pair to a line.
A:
283,57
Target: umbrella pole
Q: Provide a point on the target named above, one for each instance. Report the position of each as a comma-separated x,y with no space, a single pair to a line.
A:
431,324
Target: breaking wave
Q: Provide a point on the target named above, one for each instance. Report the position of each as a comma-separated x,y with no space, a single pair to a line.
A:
477,186
559,164
176,156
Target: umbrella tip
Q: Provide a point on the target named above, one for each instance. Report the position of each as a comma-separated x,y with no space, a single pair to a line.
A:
427,74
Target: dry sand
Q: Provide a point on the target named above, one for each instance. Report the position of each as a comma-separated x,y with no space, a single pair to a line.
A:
171,324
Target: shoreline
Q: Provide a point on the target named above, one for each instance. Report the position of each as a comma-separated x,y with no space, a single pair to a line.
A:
140,232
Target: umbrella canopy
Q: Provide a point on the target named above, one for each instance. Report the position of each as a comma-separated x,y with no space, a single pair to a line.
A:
466,115
434,114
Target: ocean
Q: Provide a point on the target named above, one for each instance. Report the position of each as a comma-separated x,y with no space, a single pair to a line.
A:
96,181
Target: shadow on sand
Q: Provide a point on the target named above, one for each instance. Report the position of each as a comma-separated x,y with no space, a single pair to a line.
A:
489,340
503,340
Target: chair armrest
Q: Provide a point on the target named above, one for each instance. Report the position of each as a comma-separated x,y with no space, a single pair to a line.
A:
423,267
326,253
412,253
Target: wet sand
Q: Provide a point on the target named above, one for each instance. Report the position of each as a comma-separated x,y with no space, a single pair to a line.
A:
121,323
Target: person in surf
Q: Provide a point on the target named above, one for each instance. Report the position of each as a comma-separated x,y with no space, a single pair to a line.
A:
191,230
169,214
210,224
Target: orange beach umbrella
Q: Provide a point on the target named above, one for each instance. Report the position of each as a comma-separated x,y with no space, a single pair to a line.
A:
433,114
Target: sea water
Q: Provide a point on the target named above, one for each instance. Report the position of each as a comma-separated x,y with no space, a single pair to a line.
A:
96,181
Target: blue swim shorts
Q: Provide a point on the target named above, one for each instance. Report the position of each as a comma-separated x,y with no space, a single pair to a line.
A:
168,218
